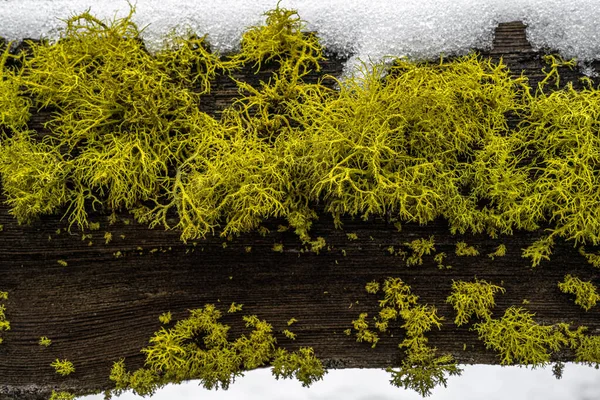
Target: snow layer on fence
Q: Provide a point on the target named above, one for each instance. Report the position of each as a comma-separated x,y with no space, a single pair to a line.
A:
359,29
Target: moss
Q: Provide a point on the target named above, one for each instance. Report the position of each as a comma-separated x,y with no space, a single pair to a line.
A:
472,298
63,367
586,293
198,348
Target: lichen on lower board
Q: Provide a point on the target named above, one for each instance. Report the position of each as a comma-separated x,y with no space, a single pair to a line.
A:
516,336
198,347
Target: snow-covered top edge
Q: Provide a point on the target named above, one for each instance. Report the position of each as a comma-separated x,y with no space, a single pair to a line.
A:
359,29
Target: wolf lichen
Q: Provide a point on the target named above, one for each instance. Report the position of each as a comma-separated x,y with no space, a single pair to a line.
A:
588,351
61,396
14,109
289,334
44,341
63,367
122,122
419,248
586,293
235,308
4,323
500,252
415,141
472,298
519,339
591,258
463,250
363,333
372,287
165,317
301,364
421,369
540,250
439,259
198,348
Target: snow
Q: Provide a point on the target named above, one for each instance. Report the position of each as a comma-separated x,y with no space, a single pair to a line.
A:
362,29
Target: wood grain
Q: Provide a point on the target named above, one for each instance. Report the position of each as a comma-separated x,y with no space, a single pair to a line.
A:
102,307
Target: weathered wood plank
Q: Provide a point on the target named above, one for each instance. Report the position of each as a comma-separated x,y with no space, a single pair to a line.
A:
104,305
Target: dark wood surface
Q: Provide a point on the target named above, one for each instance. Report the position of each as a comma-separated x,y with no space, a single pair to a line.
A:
100,307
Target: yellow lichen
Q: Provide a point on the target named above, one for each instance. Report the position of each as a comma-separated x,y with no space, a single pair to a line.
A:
198,348
586,293
470,298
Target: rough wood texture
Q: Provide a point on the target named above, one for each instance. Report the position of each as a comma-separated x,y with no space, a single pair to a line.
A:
100,308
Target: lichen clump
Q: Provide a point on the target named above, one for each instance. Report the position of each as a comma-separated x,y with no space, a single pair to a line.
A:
63,367
4,323
61,396
422,369
521,340
472,298
198,348
415,141
586,293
